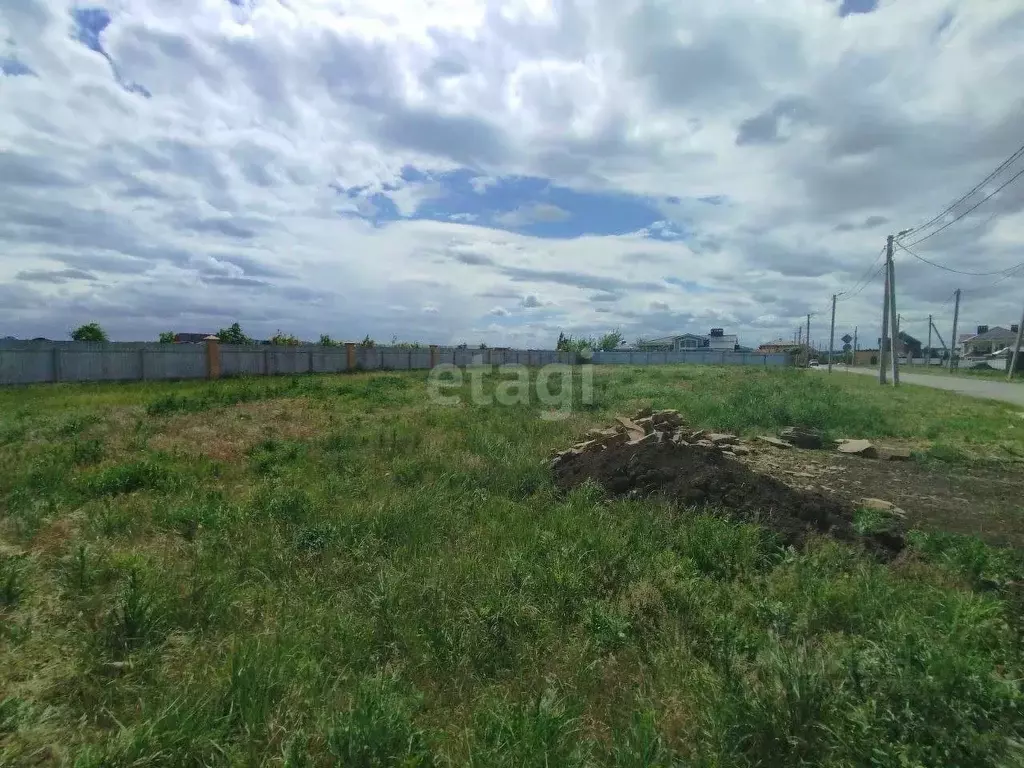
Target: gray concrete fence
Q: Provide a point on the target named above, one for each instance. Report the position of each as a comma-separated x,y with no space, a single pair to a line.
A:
30,362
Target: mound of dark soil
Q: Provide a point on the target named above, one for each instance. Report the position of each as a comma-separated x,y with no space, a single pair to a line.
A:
695,476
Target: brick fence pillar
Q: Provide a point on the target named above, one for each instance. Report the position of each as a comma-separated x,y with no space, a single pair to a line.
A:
435,355
212,357
350,355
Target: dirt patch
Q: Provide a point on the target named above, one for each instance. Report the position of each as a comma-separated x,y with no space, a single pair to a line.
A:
972,499
693,475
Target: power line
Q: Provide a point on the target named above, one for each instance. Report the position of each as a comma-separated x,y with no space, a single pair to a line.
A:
1010,273
1002,166
959,271
851,293
969,211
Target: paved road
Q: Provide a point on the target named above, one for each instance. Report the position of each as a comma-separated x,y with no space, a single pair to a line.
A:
989,390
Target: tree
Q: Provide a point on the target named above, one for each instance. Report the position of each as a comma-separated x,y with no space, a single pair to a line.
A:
610,341
284,339
367,342
89,332
233,335
327,341
167,337
574,344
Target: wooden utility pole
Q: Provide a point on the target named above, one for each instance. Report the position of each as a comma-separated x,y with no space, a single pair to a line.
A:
807,360
893,319
885,319
853,357
1016,349
799,336
928,353
832,333
956,319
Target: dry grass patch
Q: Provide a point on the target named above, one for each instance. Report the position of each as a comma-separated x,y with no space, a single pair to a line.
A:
226,434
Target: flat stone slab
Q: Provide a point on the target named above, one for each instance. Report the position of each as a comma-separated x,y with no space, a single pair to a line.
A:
882,505
774,441
858,448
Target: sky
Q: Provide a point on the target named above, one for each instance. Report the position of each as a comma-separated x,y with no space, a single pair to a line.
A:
452,171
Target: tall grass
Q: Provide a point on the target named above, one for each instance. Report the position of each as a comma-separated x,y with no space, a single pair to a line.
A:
407,588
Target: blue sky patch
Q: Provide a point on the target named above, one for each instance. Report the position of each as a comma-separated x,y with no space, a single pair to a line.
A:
89,26
529,205
11,67
849,7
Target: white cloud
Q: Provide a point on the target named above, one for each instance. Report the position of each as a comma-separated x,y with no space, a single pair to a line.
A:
528,214
212,200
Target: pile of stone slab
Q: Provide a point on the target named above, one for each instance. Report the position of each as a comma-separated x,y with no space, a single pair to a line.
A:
809,439
653,427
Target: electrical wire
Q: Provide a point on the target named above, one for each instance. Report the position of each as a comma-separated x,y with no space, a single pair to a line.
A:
866,282
843,295
969,211
958,271
1002,166
1013,271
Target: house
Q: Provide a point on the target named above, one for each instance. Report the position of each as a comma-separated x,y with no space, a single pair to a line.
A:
987,340
717,341
190,338
779,345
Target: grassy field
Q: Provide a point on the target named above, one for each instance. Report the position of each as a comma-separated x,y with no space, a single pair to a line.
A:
335,571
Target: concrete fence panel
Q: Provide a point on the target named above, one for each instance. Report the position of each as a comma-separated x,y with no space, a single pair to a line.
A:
242,360
287,360
39,362
112,364
329,359
29,366
163,362
419,359
368,358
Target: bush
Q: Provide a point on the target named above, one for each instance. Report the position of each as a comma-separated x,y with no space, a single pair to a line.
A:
284,339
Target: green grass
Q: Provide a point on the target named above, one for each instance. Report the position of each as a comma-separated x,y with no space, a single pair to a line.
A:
334,571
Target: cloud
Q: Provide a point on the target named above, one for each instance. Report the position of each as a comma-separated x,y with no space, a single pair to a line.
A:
499,312
528,214
531,301
326,166
53,276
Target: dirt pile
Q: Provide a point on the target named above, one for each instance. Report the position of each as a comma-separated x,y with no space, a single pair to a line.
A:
663,458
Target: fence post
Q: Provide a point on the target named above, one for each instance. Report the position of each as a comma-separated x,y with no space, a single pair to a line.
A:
212,357
56,364
434,354
142,363
310,361
350,355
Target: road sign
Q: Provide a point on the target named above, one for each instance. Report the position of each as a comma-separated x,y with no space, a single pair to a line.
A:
847,347
847,339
